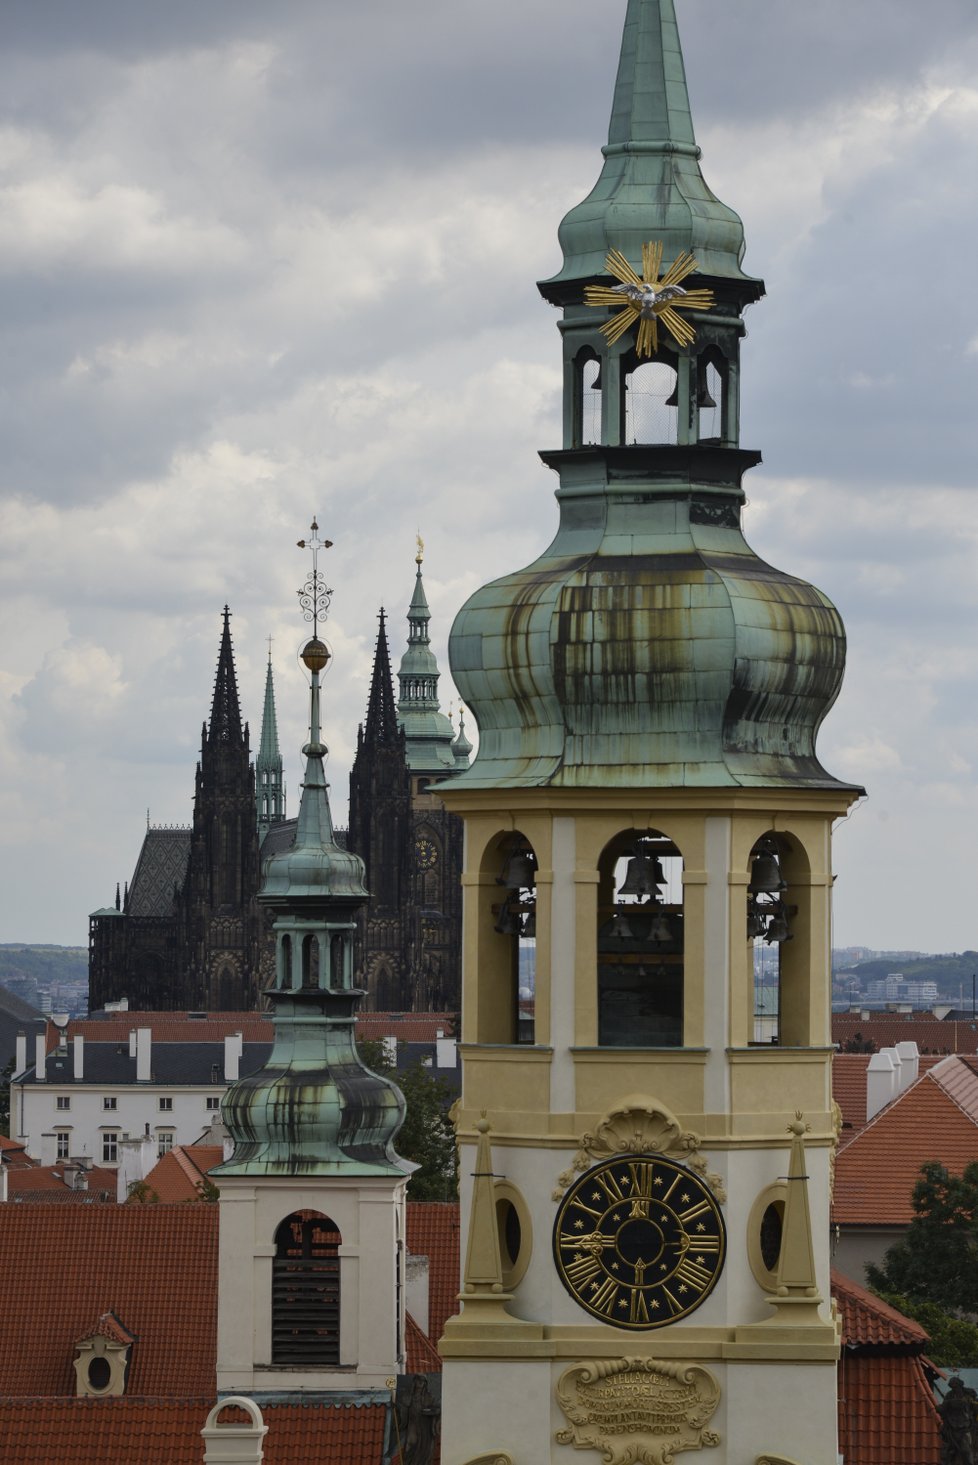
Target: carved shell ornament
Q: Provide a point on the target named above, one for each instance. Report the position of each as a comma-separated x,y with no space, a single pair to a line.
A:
641,1126
649,298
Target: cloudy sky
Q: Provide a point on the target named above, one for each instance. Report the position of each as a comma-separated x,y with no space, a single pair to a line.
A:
262,262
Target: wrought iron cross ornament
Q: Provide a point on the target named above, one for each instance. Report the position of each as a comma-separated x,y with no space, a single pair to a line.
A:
315,595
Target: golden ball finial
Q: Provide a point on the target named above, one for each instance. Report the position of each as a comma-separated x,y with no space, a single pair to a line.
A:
316,655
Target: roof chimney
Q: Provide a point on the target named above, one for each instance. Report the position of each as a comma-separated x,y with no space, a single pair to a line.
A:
40,1057
233,1045
20,1060
132,1042
880,1076
78,1065
910,1058
144,1048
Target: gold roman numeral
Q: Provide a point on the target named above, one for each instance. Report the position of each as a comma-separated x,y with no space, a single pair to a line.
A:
604,1298
695,1211
696,1276
641,1179
582,1271
610,1187
638,1311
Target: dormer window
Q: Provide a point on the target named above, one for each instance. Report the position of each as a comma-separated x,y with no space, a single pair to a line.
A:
102,1359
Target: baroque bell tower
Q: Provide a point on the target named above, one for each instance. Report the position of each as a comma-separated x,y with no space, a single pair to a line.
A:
646,1132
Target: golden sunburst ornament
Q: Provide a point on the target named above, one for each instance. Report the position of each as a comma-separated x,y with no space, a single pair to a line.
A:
649,299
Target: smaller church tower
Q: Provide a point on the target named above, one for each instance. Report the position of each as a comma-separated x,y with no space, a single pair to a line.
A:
312,1236
268,765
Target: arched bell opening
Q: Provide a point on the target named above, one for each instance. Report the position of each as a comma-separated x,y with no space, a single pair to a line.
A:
310,960
306,1291
640,942
283,961
711,395
651,399
507,1010
778,900
587,397
338,964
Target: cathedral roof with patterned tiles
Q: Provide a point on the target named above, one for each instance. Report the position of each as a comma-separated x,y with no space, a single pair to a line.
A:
936,1118
167,1431
154,1267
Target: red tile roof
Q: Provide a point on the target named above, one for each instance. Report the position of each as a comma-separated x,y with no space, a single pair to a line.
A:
167,1432
254,1027
155,1267
28,1182
409,1027
179,1175
887,1029
433,1231
887,1414
849,1087
13,1152
108,1326
935,1119
869,1322
422,1355
169,1027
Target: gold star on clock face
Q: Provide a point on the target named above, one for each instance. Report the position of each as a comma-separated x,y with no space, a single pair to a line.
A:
649,298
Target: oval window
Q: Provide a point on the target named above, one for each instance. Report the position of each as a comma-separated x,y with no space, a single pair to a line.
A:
99,1373
772,1229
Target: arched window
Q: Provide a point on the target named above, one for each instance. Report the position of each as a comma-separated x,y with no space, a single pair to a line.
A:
651,404
310,961
515,944
587,398
778,890
306,1290
337,972
711,390
384,988
283,973
640,942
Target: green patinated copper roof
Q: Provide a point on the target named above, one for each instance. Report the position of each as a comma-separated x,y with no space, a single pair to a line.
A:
651,185
428,732
314,1108
647,649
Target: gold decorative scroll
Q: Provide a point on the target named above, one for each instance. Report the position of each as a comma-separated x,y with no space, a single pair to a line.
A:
638,1411
649,298
641,1125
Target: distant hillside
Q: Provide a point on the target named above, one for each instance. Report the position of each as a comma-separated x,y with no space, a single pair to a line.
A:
951,972
43,964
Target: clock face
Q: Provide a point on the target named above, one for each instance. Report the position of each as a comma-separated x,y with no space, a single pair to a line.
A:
426,854
639,1241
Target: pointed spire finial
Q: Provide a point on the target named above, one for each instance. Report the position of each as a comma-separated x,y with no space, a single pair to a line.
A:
419,556
315,595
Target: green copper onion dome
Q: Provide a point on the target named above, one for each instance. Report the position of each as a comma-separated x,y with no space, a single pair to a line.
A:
649,646
314,1108
651,185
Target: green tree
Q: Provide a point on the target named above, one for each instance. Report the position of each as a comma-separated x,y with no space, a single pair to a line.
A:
936,1260
953,1342
427,1136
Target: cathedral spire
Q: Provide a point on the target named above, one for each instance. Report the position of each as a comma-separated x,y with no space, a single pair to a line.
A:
268,764
225,723
429,732
381,723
